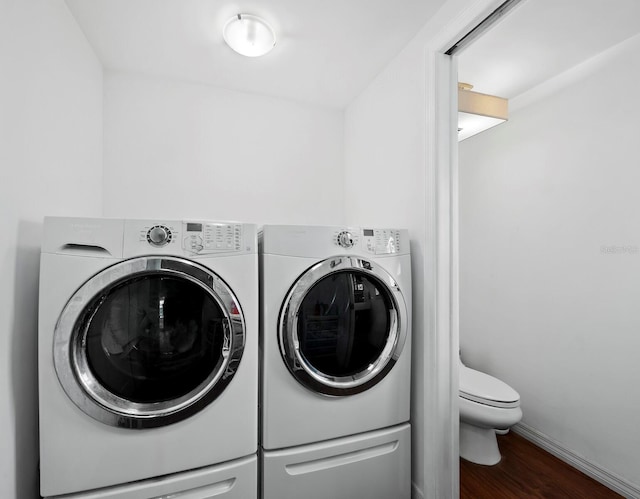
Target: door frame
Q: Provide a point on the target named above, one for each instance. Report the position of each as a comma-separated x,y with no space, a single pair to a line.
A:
441,346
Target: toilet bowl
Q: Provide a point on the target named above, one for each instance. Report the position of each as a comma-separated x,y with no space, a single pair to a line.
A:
486,405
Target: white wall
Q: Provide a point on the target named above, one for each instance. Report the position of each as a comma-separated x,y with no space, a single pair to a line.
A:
181,150
50,163
550,260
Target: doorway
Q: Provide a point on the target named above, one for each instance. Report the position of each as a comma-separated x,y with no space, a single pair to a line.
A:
549,258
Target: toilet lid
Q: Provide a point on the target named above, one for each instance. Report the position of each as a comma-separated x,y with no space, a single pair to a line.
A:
484,389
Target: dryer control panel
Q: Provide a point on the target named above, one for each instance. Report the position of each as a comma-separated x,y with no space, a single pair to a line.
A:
374,241
381,241
317,241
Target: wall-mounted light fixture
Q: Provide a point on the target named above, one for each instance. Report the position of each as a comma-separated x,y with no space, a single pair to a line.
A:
249,35
478,112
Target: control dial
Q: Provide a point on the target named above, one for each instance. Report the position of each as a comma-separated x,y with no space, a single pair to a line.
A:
345,239
159,235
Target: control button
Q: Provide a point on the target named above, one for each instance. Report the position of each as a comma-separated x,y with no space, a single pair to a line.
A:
193,243
345,239
158,235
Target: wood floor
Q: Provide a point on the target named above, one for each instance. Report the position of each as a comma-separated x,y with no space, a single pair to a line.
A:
527,471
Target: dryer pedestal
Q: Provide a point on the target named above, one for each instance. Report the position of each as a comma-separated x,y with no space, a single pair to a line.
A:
372,465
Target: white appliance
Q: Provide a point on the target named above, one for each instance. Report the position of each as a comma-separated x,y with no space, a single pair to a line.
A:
336,364
148,356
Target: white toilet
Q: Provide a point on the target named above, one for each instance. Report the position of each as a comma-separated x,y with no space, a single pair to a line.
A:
486,405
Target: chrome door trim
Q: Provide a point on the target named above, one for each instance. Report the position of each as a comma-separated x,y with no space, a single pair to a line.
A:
295,361
86,392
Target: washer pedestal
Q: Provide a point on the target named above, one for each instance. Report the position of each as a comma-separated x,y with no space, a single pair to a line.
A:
236,479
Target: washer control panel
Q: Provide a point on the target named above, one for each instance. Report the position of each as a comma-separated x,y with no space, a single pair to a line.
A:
212,237
192,237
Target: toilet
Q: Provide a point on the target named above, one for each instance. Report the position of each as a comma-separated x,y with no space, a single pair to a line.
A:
487,405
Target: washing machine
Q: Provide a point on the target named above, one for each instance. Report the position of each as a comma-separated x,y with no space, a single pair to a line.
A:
336,362
148,358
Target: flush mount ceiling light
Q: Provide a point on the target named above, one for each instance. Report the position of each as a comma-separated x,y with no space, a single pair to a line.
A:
478,112
249,35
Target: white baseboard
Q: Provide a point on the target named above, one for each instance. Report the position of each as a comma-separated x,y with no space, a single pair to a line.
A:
603,476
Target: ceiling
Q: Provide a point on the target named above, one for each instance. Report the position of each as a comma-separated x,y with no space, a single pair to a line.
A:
326,52
540,39
326,55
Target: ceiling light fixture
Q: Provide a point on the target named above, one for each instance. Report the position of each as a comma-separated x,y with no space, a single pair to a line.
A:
249,35
478,112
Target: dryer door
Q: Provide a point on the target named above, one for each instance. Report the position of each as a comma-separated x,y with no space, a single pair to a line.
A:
342,326
148,342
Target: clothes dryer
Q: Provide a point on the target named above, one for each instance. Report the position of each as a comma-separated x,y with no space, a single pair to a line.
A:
148,350
336,344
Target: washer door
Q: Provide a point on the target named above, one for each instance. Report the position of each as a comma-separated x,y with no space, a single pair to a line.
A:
148,342
342,326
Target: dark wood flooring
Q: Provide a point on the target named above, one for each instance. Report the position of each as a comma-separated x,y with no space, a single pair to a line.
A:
527,471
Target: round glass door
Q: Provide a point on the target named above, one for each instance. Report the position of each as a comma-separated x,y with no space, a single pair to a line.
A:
342,326
148,342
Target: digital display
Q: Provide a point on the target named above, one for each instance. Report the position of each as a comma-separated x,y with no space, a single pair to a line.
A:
368,232
194,227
